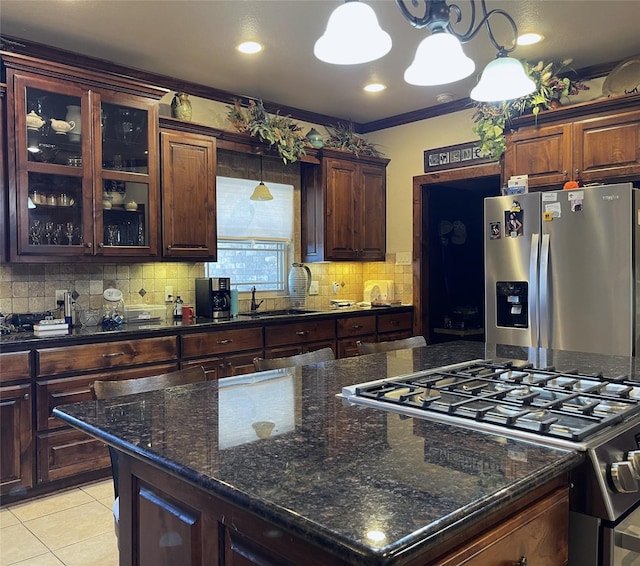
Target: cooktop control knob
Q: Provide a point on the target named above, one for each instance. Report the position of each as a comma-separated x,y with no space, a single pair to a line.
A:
634,458
624,477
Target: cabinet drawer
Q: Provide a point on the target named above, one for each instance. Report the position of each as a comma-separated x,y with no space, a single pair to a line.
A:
207,343
539,533
106,355
65,453
53,392
356,326
299,333
395,321
15,365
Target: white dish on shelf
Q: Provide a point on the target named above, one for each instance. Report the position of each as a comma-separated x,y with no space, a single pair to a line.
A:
624,78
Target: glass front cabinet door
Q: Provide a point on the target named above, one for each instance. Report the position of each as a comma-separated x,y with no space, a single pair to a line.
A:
84,174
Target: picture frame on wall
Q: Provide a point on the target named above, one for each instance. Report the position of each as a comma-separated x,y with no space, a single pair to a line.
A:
454,156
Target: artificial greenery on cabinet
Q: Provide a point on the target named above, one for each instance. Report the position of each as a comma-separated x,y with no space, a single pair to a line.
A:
492,119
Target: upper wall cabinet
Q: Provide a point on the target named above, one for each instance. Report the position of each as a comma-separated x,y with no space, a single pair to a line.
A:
188,191
593,142
83,164
344,208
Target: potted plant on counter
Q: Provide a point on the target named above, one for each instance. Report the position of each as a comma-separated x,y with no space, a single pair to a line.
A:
493,118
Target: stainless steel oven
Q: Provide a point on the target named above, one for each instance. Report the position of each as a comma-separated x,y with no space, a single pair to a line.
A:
590,412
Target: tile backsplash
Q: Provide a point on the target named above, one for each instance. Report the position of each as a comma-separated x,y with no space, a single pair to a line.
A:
32,287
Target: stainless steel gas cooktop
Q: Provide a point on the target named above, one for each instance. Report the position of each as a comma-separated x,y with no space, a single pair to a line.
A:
559,408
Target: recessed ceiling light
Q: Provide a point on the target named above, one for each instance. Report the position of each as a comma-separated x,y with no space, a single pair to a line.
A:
374,87
250,47
529,38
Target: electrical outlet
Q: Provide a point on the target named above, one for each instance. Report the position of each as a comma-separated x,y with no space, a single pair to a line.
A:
60,294
403,258
313,288
336,287
168,293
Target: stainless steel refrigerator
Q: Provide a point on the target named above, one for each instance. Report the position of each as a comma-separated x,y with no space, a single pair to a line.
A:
562,269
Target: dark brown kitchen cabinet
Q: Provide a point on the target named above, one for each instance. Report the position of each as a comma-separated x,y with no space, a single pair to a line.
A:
394,326
223,353
344,208
188,195
292,338
537,535
3,175
64,375
83,164
601,144
17,457
351,329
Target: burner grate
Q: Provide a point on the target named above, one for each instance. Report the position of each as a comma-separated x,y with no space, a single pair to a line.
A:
545,402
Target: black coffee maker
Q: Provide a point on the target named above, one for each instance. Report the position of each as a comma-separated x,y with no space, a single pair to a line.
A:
213,297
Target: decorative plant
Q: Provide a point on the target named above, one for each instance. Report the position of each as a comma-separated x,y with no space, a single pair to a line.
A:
278,131
492,119
343,137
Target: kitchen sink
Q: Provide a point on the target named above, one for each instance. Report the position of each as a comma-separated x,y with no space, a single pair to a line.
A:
281,312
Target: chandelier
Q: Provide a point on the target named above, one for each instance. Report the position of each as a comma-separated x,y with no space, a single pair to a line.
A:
353,35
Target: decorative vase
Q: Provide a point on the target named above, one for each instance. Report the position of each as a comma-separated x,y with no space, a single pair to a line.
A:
181,106
73,116
315,139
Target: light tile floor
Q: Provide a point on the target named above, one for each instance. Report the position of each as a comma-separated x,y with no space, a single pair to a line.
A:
69,528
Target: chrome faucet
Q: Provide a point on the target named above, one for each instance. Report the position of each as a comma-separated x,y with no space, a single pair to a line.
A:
255,306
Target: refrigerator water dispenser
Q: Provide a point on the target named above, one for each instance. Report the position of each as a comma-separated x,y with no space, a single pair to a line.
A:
512,303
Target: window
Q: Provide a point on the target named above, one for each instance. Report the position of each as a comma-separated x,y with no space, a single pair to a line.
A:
254,237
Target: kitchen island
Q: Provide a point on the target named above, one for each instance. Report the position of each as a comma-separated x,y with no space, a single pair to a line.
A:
274,468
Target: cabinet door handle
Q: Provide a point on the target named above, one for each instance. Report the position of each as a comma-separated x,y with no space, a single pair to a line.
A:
26,397
522,561
113,355
356,326
101,245
564,173
169,247
89,245
302,332
395,322
225,341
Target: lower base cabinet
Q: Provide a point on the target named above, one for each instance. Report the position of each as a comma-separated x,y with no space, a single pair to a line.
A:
16,449
204,529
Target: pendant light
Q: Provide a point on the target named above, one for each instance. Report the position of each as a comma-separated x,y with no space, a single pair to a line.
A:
502,79
353,35
261,192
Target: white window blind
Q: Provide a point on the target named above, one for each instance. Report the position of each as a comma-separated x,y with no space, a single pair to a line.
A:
240,217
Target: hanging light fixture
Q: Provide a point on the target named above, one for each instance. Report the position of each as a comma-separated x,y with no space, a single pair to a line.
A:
353,36
439,58
261,192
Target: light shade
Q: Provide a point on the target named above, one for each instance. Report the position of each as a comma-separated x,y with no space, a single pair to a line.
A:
261,192
353,36
503,79
439,60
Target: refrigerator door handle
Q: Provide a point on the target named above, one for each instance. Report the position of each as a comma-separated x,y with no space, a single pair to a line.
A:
545,321
534,307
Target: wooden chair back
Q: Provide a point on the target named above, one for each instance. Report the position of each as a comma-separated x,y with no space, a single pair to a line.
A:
107,389
374,347
322,355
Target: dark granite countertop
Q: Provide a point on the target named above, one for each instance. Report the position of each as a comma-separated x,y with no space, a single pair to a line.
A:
169,326
330,472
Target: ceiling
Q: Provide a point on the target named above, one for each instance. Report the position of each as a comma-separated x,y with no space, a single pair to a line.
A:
194,41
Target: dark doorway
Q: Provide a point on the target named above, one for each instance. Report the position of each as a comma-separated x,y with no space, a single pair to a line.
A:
453,258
